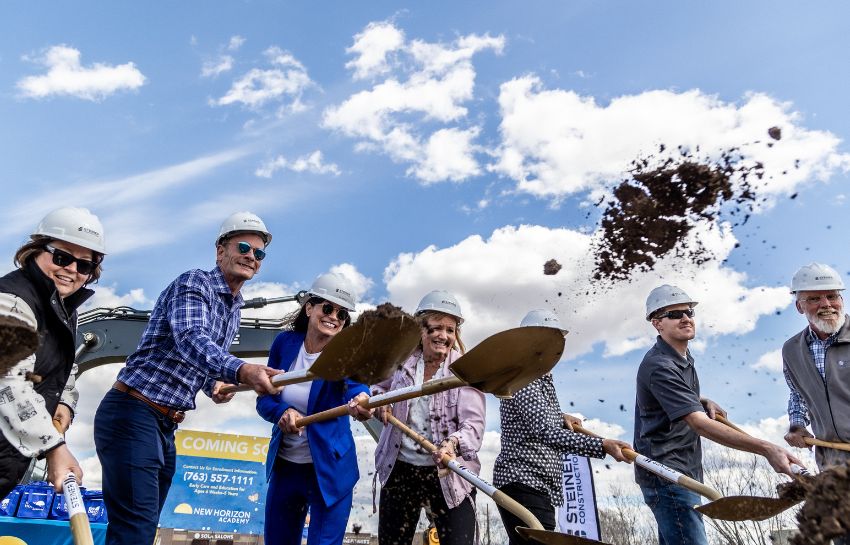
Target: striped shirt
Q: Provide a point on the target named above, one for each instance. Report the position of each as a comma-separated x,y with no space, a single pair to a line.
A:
798,412
534,440
185,345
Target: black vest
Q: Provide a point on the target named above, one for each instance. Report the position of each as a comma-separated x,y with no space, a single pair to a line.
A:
57,327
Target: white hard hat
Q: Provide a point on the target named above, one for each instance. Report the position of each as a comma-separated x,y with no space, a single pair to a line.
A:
441,301
541,317
816,277
75,225
335,288
664,296
244,221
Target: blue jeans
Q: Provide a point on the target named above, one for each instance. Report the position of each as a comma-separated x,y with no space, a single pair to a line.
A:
673,507
292,489
135,445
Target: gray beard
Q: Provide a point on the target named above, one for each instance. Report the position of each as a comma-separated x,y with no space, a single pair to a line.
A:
826,327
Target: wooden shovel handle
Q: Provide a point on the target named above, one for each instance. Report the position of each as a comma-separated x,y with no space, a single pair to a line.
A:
427,388
498,496
661,470
78,519
826,444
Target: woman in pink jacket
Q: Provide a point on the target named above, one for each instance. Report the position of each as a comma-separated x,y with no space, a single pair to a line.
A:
452,419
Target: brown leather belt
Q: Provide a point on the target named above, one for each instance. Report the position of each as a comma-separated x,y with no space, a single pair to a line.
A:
173,414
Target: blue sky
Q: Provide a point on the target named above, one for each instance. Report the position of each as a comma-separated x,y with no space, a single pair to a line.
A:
441,145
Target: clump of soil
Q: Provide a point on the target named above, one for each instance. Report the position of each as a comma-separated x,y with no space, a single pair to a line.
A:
17,341
651,212
826,513
381,312
775,133
551,267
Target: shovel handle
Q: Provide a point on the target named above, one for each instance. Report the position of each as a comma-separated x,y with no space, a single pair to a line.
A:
661,470
427,388
77,516
498,496
826,444
281,379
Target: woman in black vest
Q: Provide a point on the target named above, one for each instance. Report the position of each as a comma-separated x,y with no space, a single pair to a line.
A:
54,267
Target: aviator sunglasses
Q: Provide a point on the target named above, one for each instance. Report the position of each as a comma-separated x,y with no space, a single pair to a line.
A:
677,314
62,258
244,248
328,310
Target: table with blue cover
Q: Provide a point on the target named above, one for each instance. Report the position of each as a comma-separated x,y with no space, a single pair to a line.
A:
45,531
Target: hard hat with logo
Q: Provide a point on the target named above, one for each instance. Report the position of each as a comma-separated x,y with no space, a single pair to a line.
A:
75,225
335,288
541,317
241,222
441,301
664,296
816,277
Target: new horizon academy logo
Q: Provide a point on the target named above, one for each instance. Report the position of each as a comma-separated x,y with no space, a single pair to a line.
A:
219,484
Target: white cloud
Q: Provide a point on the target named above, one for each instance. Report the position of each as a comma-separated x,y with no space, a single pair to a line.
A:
557,143
106,297
214,68
235,42
770,361
371,48
498,279
286,78
313,163
66,76
428,82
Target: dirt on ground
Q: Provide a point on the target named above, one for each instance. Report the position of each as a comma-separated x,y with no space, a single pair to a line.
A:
826,512
651,212
17,341
381,312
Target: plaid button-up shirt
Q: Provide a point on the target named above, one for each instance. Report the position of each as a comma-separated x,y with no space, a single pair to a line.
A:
185,345
798,412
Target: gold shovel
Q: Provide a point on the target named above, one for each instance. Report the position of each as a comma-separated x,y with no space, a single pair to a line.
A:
811,441
500,364
366,352
533,529
735,508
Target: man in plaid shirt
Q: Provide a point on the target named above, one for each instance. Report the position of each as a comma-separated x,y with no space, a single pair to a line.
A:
183,350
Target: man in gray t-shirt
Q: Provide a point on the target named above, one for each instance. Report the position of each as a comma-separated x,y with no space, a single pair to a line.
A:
670,417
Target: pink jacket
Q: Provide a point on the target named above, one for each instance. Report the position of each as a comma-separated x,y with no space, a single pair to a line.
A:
457,413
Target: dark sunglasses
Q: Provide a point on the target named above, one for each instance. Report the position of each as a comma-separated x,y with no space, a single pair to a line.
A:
244,248
328,310
64,259
677,314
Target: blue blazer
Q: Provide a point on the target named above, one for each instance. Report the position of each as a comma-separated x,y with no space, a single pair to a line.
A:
331,443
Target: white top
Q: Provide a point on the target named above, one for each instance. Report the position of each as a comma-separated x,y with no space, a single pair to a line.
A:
418,419
294,447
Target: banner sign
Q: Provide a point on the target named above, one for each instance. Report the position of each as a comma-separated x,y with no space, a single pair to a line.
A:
578,515
219,484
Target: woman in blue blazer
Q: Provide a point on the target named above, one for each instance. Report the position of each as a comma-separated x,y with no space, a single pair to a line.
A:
316,466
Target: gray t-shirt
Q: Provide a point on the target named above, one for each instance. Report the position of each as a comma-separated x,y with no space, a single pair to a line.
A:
667,391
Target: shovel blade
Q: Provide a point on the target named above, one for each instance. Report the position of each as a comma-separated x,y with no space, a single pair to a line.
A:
555,538
368,352
508,361
738,508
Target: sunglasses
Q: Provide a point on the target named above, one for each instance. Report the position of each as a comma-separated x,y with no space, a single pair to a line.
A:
328,310
64,259
677,314
244,248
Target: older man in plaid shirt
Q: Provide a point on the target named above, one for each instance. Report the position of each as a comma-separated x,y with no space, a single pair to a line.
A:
184,349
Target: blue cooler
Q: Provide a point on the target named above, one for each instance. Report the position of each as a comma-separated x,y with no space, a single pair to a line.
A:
10,503
36,500
59,511
95,508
